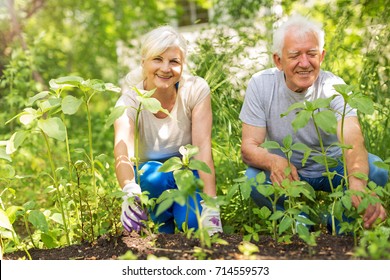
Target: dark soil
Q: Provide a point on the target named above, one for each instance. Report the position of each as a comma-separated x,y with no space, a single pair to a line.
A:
178,247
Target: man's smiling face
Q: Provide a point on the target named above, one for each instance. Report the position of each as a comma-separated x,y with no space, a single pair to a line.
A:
301,60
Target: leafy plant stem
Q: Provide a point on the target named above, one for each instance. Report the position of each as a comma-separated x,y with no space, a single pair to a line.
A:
91,149
29,231
136,143
199,219
56,186
323,152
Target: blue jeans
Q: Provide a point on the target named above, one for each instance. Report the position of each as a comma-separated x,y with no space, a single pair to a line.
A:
156,183
378,175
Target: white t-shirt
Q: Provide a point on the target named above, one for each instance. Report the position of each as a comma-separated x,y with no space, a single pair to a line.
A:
267,97
161,139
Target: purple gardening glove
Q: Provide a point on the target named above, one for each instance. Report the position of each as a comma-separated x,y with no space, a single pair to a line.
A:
211,219
132,211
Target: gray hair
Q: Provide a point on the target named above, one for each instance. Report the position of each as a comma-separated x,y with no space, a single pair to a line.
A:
160,39
300,26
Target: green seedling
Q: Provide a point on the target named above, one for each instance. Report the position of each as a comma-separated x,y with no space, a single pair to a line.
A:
188,186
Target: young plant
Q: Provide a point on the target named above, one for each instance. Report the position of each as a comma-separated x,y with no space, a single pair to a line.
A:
324,119
188,186
290,191
45,115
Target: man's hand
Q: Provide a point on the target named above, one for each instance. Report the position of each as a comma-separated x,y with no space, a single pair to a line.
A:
132,211
373,211
278,167
211,219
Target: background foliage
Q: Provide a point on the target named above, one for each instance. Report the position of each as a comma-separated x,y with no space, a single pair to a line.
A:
41,40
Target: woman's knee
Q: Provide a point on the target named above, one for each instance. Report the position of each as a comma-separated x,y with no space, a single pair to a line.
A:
152,180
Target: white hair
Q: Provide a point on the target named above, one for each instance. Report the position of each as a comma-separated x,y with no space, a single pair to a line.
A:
301,26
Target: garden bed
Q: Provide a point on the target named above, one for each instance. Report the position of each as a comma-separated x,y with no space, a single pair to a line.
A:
178,247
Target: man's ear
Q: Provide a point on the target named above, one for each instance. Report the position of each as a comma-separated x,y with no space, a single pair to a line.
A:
322,56
277,61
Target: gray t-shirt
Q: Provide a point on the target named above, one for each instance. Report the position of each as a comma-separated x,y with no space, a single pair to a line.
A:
267,97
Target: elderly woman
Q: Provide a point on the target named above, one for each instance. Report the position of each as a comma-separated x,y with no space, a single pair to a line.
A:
187,99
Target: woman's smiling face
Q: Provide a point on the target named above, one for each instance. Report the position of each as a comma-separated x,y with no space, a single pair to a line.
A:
301,60
163,71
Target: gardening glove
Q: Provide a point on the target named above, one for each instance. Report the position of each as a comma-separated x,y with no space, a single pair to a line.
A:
132,211
211,219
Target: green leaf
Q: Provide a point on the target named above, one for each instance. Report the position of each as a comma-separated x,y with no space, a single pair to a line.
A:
4,221
362,103
48,240
7,171
28,116
66,81
38,220
347,202
265,190
94,85
325,160
199,165
16,141
285,224
248,229
322,103
70,104
163,206
53,127
174,163
144,93
293,107
303,231
4,155
246,190
382,165
264,213
343,89
270,145
287,141
360,175
300,147
301,120
112,87
184,179
327,121
276,215
114,115
57,217
150,104
49,104
38,96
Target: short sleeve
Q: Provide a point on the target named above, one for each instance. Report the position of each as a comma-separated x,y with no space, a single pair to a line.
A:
252,111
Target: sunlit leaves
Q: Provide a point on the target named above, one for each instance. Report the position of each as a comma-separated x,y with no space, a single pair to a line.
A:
173,163
327,121
53,127
16,141
115,114
70,104
4,221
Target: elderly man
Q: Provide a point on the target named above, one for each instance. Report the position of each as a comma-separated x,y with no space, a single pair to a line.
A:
298,53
